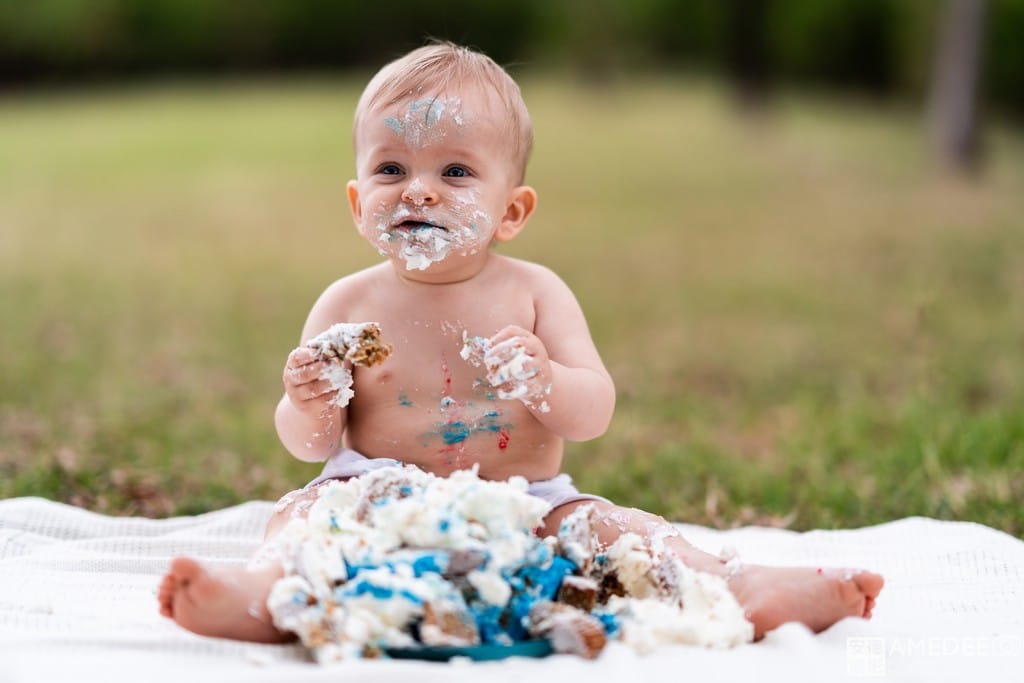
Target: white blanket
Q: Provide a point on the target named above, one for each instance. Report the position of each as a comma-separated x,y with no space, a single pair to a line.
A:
77,603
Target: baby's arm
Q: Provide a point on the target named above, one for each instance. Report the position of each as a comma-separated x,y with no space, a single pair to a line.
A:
309,426
308,421
569,390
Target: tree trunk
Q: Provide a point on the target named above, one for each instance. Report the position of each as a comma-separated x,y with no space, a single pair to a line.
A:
954,119
748,53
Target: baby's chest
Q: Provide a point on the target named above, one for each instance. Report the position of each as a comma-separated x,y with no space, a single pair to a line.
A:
436,324
427,341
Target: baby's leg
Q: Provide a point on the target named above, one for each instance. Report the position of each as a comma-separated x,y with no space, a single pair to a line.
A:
232,602
771,596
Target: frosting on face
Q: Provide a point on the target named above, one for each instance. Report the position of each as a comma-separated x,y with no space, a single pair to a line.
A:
429,120
421,213
421,235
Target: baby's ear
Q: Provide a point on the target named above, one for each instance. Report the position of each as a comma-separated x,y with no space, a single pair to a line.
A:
354,203
522,202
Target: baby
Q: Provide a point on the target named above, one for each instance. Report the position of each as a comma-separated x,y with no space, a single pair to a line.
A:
491,365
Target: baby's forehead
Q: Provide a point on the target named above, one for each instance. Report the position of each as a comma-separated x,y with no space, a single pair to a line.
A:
421,119
422,107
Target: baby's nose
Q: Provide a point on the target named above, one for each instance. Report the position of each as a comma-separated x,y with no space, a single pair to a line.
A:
418,194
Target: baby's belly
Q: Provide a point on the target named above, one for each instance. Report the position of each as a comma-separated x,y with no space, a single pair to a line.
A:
442,436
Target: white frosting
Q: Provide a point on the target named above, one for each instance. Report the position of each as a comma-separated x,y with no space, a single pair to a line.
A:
399,546
434,231
632,561
375,523
576,537
507,363
420,124
423,246
344,338
340,379
492,587
668,603
711,618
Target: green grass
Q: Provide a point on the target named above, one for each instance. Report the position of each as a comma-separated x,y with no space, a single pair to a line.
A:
808,326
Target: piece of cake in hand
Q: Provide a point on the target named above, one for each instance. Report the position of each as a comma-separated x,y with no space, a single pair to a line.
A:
358,343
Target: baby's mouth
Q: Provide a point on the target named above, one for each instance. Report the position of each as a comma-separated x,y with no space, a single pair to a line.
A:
414,226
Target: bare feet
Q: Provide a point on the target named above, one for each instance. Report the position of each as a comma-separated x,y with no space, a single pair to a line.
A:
771,596
228,603
816,598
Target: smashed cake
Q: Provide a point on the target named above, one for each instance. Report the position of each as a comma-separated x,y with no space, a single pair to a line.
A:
399,558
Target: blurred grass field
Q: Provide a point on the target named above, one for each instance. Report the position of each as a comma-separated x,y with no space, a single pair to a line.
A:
808,326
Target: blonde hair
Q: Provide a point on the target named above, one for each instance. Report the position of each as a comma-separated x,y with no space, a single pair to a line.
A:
440,65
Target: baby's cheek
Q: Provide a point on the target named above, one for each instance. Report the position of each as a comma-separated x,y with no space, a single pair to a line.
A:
475,224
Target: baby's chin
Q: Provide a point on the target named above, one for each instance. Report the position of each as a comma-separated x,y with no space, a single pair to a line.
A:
420,248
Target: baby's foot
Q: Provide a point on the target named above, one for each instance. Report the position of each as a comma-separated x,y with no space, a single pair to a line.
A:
228,603
816,598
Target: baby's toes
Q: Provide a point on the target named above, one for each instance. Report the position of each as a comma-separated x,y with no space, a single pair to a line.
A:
869,605
870,584
165,595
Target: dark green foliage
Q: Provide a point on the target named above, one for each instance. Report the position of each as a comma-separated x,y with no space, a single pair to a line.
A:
1004,58
878,46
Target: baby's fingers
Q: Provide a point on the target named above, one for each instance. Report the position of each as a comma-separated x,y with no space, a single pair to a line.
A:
297,376
313,390
300,356
519,369
510,391
504,352
510,332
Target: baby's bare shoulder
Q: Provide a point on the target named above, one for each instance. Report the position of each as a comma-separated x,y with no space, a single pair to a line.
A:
553,300
534,276
356,285
344,299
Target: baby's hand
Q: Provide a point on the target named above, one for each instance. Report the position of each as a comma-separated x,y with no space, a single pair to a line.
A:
311,386
517,365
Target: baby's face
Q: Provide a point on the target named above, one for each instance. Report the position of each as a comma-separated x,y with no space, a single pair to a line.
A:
434,176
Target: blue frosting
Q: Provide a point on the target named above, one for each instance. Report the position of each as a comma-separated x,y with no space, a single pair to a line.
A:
434,563
608,620
492,623
542,583
538,580
455,432
539,554
421,563
362,587
530,584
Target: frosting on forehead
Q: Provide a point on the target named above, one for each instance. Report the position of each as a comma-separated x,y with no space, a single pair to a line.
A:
427,120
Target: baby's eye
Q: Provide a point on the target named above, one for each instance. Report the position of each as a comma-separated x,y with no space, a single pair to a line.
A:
389,169
456,172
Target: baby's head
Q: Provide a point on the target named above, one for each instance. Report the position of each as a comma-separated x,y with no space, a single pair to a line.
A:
429,78
441,138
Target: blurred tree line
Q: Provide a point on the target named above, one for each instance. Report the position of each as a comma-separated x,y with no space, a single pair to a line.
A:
884,47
